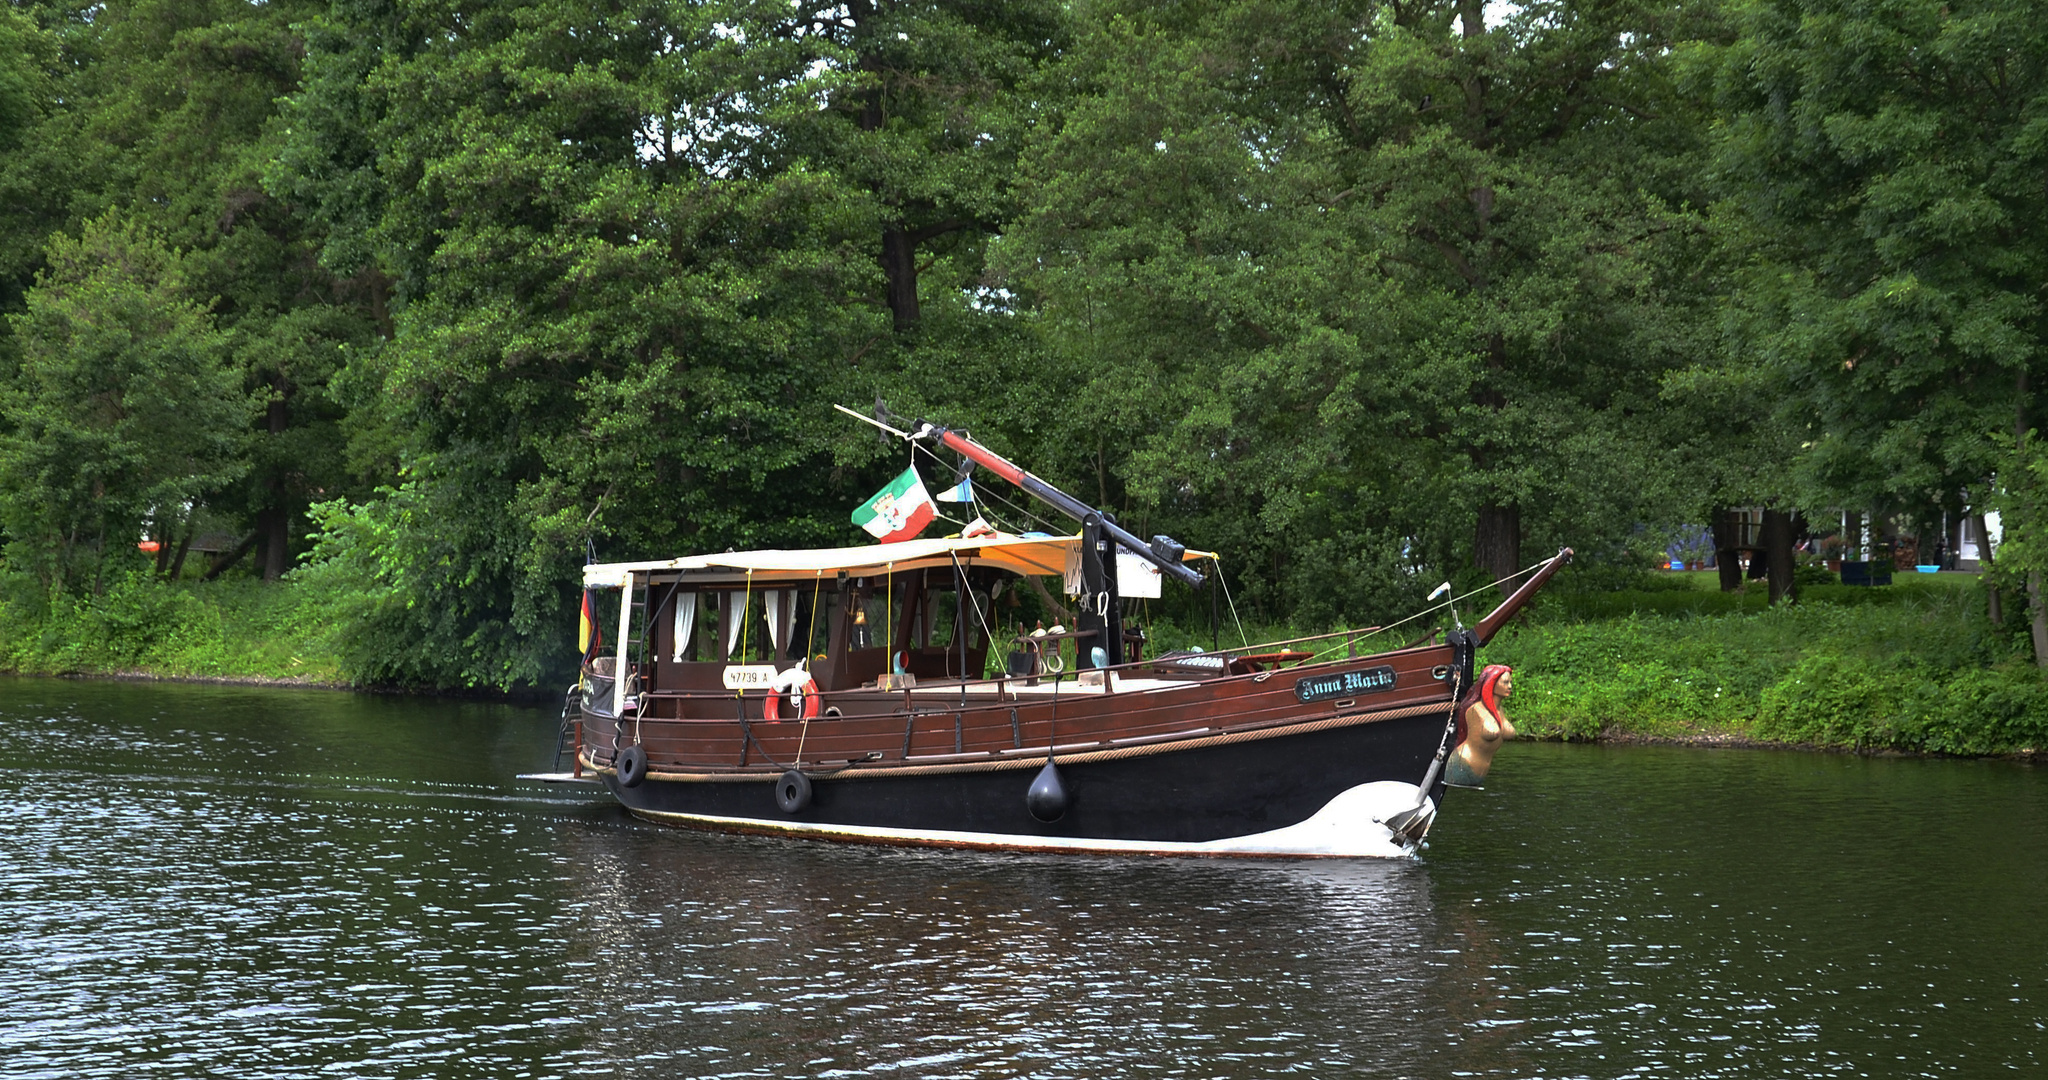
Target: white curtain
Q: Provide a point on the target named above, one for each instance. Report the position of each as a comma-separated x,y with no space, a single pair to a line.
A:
772,598
686,623
735,620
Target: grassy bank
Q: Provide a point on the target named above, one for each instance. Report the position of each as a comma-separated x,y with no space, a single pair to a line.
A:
228,629
1915,667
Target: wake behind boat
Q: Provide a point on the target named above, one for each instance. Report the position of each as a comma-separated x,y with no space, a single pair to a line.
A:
848,694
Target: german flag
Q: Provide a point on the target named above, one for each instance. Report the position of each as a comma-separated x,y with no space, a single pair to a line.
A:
588,636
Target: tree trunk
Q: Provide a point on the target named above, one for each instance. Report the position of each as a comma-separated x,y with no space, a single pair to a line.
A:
2040,614
899,266
899,247
275,525
184,546
274,522
1727,555
1993,605
1778,553
226,559
1497,542
161,533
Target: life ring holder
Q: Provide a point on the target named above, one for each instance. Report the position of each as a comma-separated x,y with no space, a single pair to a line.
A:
804,702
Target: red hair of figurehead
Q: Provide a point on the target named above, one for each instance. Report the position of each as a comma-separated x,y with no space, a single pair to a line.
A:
1489,687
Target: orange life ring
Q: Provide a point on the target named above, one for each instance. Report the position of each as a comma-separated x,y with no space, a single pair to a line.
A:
803,696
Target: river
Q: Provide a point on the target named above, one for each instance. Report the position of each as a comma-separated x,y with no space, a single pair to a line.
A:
217,881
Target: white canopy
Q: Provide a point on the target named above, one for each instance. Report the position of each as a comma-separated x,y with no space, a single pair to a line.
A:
1017,554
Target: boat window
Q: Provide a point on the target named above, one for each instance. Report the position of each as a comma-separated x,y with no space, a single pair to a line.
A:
683,624
943,609
763,625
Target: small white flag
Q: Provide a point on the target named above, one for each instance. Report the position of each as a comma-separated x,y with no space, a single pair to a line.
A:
978,527
960,492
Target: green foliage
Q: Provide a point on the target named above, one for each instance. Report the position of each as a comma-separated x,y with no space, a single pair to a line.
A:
1299,308
1883,161
1866,704
1910,668
123,404
1364,296
1664,602
394,628
2022,502
626,307
30,76
234,629
162,112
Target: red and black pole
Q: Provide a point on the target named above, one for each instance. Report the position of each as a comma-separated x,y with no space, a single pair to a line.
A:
1163,552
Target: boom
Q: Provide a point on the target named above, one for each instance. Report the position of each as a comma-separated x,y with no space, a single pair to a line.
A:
1163,552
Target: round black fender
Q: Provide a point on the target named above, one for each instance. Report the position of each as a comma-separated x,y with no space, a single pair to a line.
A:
632,765
793,791
1047,798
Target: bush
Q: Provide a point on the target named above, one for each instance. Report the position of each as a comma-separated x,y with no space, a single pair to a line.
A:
1838,701
1915,668
236,628
1994,711
1809,574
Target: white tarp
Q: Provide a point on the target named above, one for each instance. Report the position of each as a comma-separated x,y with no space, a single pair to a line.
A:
1018,554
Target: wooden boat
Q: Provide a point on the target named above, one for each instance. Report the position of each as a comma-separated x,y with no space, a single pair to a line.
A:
869,713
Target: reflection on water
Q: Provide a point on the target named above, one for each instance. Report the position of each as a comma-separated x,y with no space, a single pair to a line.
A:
202,880
739,955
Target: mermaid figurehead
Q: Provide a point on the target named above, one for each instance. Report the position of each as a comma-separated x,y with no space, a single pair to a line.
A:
1482,727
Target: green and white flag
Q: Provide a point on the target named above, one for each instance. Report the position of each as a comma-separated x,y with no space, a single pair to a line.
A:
897,512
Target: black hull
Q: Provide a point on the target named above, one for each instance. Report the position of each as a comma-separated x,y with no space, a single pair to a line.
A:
1321,790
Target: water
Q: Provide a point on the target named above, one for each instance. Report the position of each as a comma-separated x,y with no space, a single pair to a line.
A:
205,881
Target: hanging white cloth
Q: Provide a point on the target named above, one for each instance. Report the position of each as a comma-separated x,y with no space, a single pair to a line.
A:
686,624
772,600
735,620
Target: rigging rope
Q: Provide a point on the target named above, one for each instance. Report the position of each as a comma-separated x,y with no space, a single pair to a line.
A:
1013,507
1218,560
1350,639
810,642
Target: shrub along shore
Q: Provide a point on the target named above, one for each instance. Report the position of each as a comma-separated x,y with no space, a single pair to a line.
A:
1914,667
231,630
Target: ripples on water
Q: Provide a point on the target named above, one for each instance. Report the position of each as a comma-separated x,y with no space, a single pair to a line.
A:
202,881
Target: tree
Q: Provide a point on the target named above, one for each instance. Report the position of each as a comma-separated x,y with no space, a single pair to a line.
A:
1378,288
1887,158
33,182
123,411
921,114
162,110
615,320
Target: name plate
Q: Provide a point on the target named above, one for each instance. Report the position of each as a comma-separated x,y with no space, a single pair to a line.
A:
750,676
1324,687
